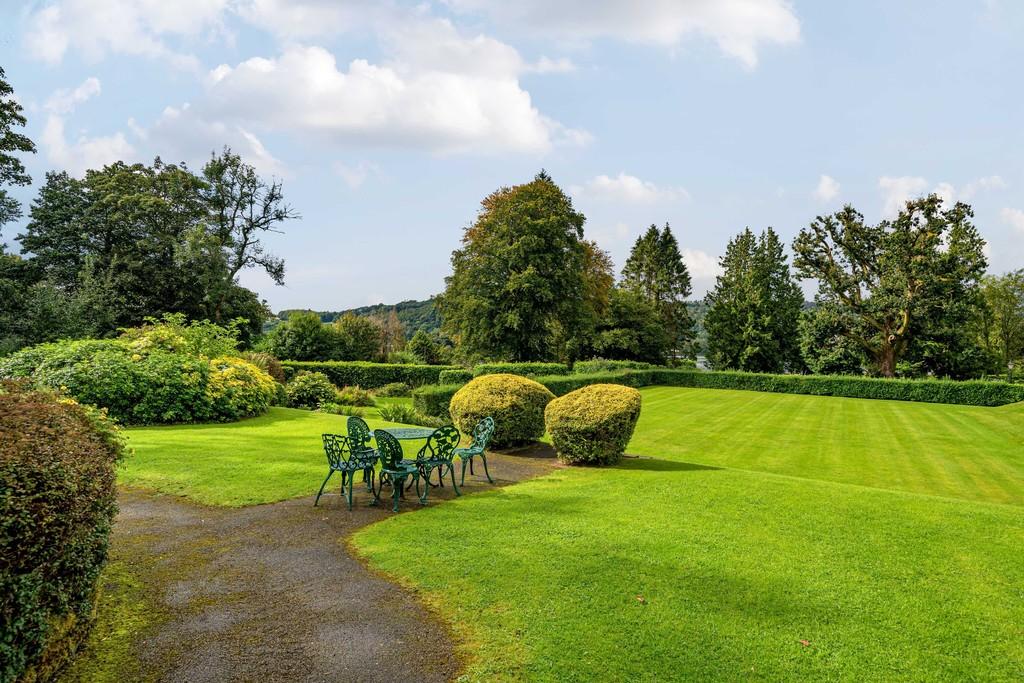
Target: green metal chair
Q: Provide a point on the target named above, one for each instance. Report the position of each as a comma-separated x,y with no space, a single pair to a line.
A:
341,458
359,441
393,470
482,433
437,454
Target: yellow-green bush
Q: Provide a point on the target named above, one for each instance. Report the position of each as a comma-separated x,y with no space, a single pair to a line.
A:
516,404
592,425
237,388
310,390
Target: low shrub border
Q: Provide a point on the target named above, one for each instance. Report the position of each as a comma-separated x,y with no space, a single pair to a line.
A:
459,376
57,472
433,400
524,369
368,375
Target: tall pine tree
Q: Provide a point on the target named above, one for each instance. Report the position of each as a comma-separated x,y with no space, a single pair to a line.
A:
656,271
754,309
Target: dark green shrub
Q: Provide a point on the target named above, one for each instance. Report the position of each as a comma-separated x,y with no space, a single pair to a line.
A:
433,400
393,390
457,376
57,466
339,409
589,367
310,389
593,425
267,363
524,369
563,384
516,404
355,396
400,413
368,375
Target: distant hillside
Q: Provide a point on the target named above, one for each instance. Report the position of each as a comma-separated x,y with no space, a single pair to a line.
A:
415,315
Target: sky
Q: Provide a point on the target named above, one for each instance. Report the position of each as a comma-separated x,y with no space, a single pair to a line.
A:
388,122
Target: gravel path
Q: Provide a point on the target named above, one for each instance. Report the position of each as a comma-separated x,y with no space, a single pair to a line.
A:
270,593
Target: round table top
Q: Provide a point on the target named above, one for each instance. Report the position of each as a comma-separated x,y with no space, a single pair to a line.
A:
402,433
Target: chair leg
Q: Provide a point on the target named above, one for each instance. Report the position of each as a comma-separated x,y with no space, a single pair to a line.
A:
398,485
483,456
451,470
464,470
426,489
321,492
351,485
471,465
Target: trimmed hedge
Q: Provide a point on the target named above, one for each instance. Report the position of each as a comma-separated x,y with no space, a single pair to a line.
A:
57,474
523,369
516,404
368,375
433,400
972,392
460,376
589,367
593,425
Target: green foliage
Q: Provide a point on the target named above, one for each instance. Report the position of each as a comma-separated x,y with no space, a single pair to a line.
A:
903,282
302,337
455,376
824,346
754,309
176,334
310,390
426,347
632,329
57,467
656,271
587,367
341,409
516,404
355,396
370,375
433,399
1002,324
517,283
593,425
157,374
399,413
358,338
404,358
524,369
393,389
267,363
12,170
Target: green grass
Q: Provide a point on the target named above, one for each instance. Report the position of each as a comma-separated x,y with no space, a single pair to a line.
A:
259,460
887,536
946,450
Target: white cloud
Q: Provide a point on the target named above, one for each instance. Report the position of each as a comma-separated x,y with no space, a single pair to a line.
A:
85,152
440,92
299,19
546,65
129,27
828,188
627,188
1013,218
63,101
896,192
702,266
738,27
355,175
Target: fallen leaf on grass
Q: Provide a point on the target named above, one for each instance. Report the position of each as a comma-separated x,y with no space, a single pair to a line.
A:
641,599
805,643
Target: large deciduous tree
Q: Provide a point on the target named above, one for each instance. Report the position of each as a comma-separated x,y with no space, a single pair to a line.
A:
517,284
1002,327
12,170
908,280
754,308
655,269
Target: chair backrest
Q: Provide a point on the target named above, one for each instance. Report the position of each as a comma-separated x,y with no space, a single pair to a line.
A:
389,450
441,444
358,432
482,433
336,448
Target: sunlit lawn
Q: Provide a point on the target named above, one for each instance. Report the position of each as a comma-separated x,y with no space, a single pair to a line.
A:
761,536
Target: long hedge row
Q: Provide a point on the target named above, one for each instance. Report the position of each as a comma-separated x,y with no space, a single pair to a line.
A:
433,400
368,375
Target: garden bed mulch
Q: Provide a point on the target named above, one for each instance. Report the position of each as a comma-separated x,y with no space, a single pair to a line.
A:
266,593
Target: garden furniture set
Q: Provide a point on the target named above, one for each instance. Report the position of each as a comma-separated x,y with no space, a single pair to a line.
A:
349,454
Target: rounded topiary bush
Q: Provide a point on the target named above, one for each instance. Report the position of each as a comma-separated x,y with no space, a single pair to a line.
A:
516,404
57,464
310,389
592,425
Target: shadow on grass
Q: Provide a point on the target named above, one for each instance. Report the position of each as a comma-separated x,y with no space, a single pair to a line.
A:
643,462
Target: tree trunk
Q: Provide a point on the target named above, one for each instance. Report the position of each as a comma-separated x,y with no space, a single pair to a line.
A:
887,360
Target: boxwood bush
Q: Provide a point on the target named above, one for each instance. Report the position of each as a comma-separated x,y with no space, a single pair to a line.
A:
524,369
57,466
593,425
310,390
368,375
516,404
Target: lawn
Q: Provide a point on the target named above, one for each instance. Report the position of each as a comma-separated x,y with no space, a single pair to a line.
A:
259,460
763,536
